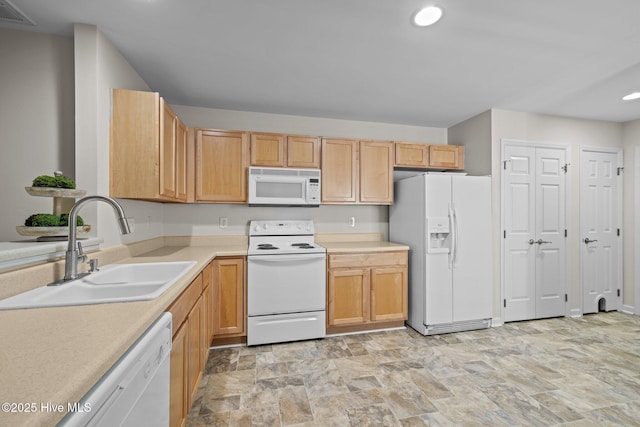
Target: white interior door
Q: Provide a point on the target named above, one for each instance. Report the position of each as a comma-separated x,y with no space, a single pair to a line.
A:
600,239
534,235
550,232
519,219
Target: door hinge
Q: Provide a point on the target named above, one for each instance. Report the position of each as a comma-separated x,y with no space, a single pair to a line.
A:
566,297
618,232
505,302
565,168
504,165
565,232
620,170
505,234
618,292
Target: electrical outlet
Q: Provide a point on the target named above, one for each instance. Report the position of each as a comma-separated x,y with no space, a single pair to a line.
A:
352,221
224,222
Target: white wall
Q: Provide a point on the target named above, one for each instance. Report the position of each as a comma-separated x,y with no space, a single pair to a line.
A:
474,135
558,130
99,67
36,119
631,228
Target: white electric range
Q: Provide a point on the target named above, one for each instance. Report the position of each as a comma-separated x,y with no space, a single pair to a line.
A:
286,282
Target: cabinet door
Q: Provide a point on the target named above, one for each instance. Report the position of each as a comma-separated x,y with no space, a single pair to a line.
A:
194,324
303,152
228,295
221,166
339,170
167,150
178,378
207,295
267,149
411,155
446,156
181,160
348,296
134,148
376,172
388,293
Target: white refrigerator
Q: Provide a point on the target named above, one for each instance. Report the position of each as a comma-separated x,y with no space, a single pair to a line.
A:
445,219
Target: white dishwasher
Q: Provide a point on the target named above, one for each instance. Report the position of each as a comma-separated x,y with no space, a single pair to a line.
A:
135,391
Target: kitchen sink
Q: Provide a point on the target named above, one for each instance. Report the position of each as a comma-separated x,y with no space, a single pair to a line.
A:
113,283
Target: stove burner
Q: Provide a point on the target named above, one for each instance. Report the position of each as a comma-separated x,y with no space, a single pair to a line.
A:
266,246
303,245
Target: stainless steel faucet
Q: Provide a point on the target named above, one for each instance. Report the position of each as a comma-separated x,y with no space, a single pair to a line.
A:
74,255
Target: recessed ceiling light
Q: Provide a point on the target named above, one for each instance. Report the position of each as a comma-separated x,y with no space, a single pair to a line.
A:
427,16
631,96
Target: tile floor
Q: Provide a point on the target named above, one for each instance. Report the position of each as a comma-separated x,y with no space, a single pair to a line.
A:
564,371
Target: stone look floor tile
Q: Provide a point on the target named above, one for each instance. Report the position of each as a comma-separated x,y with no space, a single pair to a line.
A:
578,372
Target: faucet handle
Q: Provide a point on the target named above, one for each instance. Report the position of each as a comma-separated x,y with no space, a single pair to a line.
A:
81,256
93,265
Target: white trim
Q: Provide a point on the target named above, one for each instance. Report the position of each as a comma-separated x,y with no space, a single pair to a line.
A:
629,309
496,321
567,181
575,312
620,183
636,228
368,331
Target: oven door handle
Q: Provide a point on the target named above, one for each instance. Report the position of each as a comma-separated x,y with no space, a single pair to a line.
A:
286,258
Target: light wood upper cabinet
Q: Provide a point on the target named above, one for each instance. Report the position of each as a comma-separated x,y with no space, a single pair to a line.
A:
181,159
339,170
376,172
411,155
277,150
221,166
303,152
446,156
229,296
357,171
267,149
144,154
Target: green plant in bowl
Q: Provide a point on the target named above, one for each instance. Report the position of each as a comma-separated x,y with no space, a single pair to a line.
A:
58,181
42,220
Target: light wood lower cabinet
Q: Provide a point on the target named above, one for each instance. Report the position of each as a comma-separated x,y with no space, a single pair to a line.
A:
229,296
178,408
188,347
366,290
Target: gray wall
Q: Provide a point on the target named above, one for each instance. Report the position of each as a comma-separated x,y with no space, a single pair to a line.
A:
36,119
474,135
631,228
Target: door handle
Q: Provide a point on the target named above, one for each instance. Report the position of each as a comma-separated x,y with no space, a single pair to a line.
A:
588,240
532,242
540,241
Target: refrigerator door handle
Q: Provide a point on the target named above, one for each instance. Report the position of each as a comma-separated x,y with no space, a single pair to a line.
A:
454,237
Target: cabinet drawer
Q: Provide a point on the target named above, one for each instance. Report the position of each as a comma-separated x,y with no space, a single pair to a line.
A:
184,303
368,259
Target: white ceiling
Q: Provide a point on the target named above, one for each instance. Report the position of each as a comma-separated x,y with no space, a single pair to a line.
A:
363,60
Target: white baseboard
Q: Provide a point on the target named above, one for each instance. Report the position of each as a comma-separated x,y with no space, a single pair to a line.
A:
496,321
575,312
629,309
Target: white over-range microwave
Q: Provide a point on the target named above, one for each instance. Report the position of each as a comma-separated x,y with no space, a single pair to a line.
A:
284,186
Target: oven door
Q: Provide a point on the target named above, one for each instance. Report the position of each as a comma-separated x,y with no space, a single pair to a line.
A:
279,284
